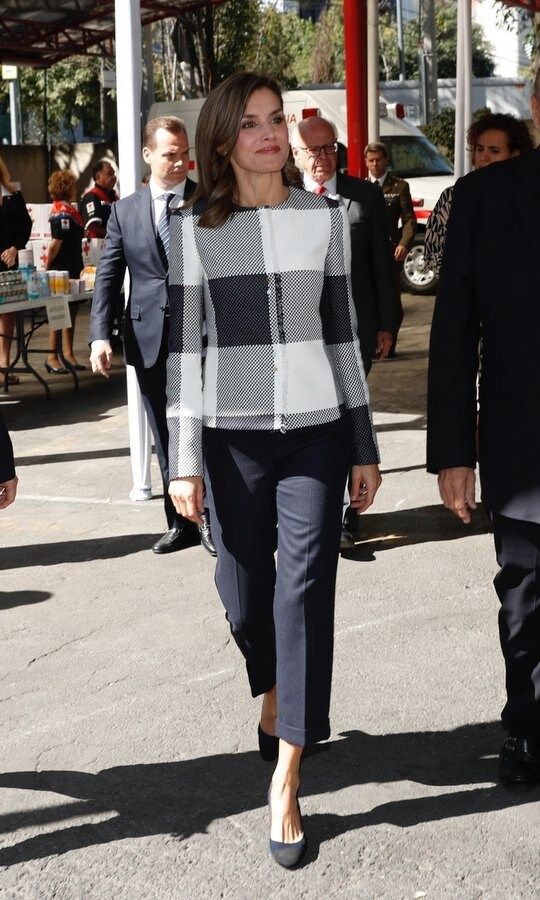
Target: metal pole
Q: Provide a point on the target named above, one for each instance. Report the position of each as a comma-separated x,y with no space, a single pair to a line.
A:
430,56
373,69
355,28
400,46
462,163
15,111
148,72
128,82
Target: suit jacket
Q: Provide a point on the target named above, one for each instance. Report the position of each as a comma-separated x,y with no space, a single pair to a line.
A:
490,287
15,224
372,275
131,243
7,465
397,198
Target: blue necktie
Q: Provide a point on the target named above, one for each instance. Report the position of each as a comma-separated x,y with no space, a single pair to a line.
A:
163,230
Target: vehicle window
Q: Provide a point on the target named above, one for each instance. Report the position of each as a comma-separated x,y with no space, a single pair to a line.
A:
412,157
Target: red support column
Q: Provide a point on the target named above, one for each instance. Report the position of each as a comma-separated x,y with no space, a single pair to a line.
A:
355,28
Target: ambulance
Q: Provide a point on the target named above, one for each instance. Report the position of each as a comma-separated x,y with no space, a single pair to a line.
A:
412,156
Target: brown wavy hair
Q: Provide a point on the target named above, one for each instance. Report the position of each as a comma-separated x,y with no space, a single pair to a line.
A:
217,130
516,131
62,184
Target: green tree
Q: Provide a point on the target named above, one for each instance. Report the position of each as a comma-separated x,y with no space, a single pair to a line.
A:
446,27
72,97
328,58
284,48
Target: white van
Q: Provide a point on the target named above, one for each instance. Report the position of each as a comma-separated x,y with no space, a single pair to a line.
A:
410,153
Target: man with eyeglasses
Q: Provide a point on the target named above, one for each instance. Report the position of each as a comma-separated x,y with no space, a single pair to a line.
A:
138,239
315,148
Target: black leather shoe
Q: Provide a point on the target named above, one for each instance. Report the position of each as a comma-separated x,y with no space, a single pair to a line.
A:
54,371
206,537
176,539
347,540
268,745
519,763
287,855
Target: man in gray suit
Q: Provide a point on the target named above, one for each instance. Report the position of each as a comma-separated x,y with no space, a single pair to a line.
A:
137,239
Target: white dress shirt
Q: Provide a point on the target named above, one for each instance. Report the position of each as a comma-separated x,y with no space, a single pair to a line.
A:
331,186
159,197
380,180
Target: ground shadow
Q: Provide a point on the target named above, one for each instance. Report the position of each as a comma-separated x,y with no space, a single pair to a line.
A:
9,599
403,527
26,408
59,552
72,456
183,798
416,424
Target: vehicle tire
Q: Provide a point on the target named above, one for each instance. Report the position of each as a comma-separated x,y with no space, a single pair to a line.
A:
415,278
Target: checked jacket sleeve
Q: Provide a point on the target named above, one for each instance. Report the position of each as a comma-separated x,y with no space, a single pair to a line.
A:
340,336
184,363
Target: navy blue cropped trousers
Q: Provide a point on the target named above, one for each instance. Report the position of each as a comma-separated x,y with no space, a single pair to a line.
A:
269,491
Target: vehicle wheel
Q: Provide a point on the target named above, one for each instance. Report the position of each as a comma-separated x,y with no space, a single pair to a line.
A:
415,277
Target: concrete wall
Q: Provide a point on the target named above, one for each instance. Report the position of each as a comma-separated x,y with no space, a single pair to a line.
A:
31,166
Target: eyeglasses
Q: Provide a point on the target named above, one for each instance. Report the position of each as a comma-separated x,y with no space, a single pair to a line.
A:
315,152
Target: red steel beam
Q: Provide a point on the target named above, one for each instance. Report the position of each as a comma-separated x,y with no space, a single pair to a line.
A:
355,28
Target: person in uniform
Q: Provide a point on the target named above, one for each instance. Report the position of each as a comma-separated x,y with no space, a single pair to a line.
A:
400,217
96,203
96,207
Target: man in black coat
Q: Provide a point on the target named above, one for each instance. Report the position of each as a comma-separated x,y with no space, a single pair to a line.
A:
137,239
315,152
377,311
8,479
490,289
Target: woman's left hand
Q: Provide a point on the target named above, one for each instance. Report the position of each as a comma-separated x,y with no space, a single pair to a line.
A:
364,484
9,256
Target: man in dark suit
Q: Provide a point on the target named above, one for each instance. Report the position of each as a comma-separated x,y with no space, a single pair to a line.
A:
137,239
315,152
8,479
400,217
489,288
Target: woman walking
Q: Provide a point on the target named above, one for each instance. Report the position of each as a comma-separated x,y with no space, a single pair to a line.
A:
277,409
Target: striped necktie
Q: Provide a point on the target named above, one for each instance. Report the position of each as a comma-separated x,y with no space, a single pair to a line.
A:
163,229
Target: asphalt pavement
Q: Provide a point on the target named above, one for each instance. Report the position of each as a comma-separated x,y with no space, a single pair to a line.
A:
128,756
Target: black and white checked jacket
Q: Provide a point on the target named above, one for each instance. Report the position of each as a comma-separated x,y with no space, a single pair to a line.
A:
272,286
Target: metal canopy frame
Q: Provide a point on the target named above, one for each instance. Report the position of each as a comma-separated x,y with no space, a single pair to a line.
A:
40,33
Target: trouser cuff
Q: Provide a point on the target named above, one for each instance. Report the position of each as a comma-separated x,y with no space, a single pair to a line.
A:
303,736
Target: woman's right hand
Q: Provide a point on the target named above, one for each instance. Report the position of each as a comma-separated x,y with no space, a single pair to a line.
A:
187,496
